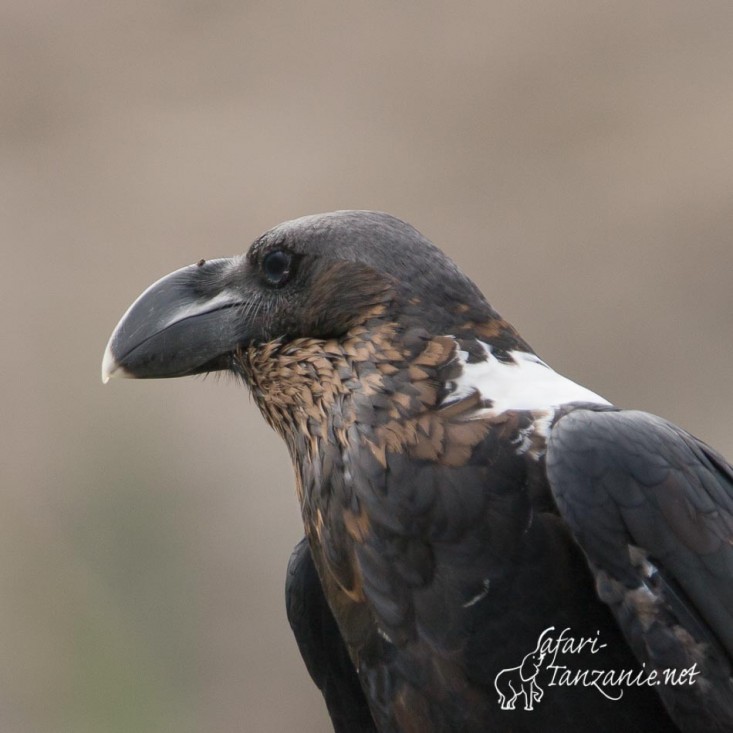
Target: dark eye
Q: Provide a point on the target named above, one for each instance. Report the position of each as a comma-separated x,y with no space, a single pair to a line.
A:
276,267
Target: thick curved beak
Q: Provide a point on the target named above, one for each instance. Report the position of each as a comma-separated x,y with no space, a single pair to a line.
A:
186,323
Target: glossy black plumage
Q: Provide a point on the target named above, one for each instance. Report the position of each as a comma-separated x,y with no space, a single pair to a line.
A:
628,478
322,647
463,504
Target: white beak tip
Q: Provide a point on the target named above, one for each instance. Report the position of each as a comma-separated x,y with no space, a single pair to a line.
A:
110,367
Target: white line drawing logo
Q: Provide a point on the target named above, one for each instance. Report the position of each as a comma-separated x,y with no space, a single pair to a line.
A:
522,680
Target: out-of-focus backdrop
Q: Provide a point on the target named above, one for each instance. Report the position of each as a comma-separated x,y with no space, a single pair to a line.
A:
576,158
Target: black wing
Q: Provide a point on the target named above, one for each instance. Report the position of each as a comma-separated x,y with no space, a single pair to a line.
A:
652,508
322,647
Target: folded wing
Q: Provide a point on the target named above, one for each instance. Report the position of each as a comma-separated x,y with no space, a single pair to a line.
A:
652,508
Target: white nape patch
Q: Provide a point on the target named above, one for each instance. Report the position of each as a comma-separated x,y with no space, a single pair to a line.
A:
527,383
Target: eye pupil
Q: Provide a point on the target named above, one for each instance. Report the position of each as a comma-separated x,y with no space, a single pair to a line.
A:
276,266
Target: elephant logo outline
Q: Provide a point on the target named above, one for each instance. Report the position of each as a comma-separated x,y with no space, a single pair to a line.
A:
512,682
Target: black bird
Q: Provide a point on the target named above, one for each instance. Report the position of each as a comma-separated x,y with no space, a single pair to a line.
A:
467,509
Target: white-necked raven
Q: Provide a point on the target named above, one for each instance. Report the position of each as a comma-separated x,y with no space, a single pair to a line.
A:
466,508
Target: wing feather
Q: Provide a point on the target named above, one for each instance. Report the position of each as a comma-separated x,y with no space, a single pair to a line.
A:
322,646
652,508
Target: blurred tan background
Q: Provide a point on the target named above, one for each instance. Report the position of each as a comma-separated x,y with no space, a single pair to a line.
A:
576,158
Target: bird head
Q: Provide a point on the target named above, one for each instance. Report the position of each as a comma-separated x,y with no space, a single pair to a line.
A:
313,279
